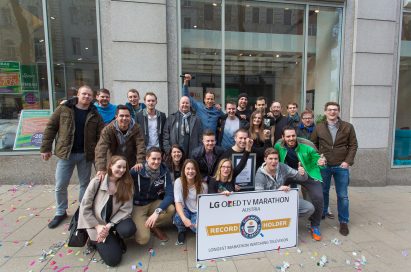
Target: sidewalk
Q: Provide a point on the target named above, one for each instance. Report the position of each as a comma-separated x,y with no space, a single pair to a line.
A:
380,230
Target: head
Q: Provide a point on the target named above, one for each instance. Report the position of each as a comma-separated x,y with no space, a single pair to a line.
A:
209,141
224,171
307,118
243,100
276,108
256,119
153,157
133,97
261,104
271,159
85,95
123,117
177,154
103,97
230,108
332,111
209,99
184,106
240,137
289,136
150,99
190,175
118,170
292,108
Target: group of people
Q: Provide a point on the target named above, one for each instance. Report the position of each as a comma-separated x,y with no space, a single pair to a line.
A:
150,168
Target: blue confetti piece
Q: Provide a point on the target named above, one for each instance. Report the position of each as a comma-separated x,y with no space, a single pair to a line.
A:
140,264
262,235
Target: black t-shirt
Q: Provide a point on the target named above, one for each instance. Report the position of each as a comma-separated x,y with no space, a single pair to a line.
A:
80,117
291,159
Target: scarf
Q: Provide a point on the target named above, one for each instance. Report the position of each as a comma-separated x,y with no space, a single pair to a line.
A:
309,129
152,174
294,119
122,138
185,128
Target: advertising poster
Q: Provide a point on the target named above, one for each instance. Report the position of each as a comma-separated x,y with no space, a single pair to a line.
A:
246,222
30,130
30,87
9,77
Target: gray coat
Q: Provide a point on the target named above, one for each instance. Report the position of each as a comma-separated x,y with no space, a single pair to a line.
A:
264,181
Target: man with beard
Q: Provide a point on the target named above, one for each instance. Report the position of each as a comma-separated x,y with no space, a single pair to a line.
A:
242,111
104,107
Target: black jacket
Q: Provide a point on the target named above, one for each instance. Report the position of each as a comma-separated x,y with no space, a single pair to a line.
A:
142,120
198,154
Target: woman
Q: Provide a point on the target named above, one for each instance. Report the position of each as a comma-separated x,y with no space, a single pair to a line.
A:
175,160
186,190
260,136
106,208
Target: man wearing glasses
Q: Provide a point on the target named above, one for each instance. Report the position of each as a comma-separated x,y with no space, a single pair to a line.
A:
306,127
336,139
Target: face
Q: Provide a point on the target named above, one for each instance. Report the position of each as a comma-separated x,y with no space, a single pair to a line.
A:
260,105
123,119
209,100
226,169
150,102
103,99
176,154
184,104
276,109
190,171
209,143
241,139
230,109
290,137
271,162
154,160
85,96
307,120
292,109
242,102
118,168
257,119
332,113
133,98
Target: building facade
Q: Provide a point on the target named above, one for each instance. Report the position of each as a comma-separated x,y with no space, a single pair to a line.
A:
356,52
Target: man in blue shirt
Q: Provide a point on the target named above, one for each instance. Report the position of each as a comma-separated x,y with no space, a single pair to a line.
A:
207,112
104,107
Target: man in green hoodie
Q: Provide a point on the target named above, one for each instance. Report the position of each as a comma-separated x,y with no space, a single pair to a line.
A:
296,152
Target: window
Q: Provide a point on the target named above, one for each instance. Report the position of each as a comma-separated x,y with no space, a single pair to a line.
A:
287,17
269,16
256,15
208,12
75,42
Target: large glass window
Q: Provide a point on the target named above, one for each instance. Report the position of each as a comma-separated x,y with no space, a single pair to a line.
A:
402,145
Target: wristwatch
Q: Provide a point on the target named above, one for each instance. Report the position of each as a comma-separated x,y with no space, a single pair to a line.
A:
158,210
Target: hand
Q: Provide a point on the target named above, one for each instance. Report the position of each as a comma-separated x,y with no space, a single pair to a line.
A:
284,188
237,188
187,78
270,114
218,106
267,134
46,156
187,222
101,174
301,170
151,221
322,161
249,144
344,165
137,167
102,233
226,193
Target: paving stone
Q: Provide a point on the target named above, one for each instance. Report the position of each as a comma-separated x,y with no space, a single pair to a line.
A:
227,266
169,266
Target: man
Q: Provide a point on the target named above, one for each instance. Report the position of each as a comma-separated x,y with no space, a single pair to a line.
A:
242,111
104,107
151,122
307,126
228,124
182,128
133,103
277,120
272,175
295,153
121,137
75,126
336,139
207,112
207,155
293,119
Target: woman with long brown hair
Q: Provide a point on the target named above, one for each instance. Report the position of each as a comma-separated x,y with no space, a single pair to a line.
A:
105,211
175,160
260,136
186,189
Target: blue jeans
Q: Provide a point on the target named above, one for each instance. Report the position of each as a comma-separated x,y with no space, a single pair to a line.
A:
179,223
64,171
341,180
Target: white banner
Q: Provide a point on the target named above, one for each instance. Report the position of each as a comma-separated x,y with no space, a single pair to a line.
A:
246,222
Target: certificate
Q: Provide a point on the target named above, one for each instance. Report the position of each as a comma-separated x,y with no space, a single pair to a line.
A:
246,177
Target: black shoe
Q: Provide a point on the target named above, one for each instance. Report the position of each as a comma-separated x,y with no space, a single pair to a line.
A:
57,220
344,229
181,238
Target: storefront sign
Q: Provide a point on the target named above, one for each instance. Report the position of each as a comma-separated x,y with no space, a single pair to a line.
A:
245,222
9,77
29,133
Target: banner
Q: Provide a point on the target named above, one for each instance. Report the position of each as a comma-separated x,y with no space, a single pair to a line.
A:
9,77
30,130
246,222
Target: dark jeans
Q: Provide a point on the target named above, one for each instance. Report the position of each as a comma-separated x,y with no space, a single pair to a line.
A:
315,192
111,250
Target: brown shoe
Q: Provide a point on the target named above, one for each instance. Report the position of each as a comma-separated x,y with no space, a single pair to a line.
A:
159,234
344,229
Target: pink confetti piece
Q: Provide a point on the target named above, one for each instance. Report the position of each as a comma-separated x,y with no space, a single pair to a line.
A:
278,249
64,268
15,242
85,268
55,267
70,251
61,255
52,263
33,262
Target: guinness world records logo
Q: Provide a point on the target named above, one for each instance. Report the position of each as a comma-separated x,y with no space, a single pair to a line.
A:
250,226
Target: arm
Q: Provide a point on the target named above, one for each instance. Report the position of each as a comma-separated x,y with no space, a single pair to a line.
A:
314,137
140,149
352,146
169,193
50,131
194,103
240,166
102,148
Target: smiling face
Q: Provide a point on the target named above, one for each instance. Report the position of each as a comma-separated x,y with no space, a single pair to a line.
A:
85,96
154,160
118,168
271,162
190,172
123,119
151,102
257,119
226,169
176,154
230,109
133,98
242,102
241,139
209,100
276,108
103,99
290,137
209,143
184,104
332,113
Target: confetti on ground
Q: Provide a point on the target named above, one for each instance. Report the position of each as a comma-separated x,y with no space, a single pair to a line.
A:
283,267
63,268
28,243
70,251
379,224
33,262
299,251
85,268
262,235
336,242
52,263
404,253
133,267
140,264
323,260
201,266
354,253
81,259
162,243
152,252
348,262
